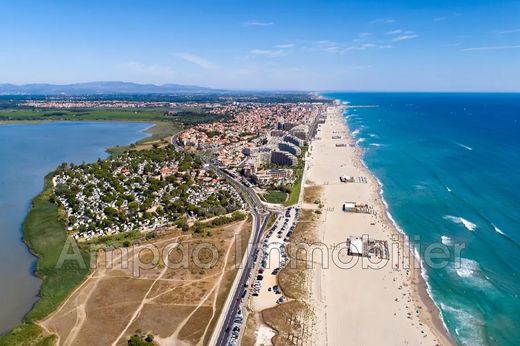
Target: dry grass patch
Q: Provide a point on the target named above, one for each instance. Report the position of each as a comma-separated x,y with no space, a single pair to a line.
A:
172,303
194,329
249,337
311,194
291,321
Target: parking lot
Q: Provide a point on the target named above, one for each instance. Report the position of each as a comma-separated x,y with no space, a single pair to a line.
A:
262,286
265,292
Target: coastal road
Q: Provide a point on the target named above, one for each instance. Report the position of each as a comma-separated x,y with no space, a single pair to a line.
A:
261,217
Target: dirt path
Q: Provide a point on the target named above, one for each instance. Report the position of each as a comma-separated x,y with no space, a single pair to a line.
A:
145,298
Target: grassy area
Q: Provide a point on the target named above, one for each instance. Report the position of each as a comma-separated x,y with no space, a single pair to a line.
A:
27,334
160,134
46,237
82,114
275,196
296,188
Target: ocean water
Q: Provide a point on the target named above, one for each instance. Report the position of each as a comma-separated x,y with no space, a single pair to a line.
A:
450,169
27,154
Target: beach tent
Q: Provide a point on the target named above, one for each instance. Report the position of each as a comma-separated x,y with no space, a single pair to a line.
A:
356,247
349,206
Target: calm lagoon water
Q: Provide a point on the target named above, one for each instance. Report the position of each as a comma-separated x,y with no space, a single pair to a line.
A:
450,166
27,153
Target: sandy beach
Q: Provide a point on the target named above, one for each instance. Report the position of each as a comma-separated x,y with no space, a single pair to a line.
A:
356,301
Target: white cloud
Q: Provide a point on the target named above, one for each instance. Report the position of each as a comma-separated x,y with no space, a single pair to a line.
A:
271,53
439,19
196,60
502,32
394,32
366,46
325,45
491,48
154,70
256,23
383,21
407,35
286,45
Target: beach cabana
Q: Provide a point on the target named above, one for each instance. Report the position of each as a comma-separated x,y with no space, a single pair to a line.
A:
349,206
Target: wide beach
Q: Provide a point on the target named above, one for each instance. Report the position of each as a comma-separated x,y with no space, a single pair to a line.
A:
386,303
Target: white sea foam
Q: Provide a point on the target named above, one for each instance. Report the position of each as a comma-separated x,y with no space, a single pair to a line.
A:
463,146
372,135
467,328
375,144
446,240
355,132
466,268
470,226
360,140
498,230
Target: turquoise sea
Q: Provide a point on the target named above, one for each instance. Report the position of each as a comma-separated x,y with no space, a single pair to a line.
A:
27,153
450,169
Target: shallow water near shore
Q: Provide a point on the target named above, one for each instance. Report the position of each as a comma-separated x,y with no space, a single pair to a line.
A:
27,153
450,167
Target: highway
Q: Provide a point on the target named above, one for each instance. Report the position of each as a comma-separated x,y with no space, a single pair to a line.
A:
261,217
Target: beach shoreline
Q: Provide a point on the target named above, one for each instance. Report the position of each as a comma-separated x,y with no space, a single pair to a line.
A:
343,156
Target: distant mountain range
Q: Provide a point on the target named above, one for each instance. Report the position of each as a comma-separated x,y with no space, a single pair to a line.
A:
100,88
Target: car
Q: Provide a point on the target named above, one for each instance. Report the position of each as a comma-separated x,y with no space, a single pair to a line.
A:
260,277
261,270
280,300
275,271
254,294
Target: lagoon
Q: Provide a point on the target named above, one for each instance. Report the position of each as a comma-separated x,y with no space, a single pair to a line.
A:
27,153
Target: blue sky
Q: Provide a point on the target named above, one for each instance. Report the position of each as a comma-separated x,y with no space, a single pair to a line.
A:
380,45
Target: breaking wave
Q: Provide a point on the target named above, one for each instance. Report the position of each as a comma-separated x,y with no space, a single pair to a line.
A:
446,240
467,268
470,226
469,327
498,230
463,146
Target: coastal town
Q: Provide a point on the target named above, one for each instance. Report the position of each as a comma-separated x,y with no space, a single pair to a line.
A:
252,168
261,144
